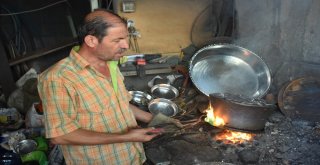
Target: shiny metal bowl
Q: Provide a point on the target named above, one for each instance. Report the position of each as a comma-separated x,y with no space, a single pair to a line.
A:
25,146
227,68
164,91
164,106
140,98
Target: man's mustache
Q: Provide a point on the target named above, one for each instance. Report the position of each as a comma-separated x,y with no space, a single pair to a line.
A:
121,50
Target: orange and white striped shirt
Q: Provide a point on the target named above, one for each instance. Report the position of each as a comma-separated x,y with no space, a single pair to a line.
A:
74,95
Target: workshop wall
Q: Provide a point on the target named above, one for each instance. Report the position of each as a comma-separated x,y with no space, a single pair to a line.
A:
164,25
285,34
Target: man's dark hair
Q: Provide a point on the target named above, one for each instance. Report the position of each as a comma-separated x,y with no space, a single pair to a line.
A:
97,26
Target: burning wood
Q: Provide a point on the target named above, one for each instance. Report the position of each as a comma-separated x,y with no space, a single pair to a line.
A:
227,136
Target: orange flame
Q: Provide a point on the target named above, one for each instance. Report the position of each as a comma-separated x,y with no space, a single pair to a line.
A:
212,119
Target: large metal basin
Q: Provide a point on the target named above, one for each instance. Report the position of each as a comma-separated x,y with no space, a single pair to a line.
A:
227,68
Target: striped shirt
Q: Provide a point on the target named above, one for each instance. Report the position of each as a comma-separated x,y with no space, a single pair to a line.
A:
75,95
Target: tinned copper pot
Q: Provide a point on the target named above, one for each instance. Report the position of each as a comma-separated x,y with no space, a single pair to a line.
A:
241,113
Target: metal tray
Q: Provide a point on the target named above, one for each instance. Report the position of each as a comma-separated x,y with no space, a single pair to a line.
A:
227,68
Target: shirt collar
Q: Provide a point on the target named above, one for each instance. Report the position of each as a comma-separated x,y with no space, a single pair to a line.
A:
78,60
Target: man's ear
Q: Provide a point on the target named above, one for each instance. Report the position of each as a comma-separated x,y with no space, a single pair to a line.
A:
91,41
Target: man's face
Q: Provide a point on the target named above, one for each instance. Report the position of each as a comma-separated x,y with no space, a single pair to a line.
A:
114,44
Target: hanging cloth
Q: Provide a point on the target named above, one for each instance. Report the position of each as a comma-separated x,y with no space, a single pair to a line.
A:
113,73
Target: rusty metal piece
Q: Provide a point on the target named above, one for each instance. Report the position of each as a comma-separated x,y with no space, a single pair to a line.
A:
299,99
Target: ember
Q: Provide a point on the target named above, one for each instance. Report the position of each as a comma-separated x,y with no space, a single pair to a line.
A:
233,137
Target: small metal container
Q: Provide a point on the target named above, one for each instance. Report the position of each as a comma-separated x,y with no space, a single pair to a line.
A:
164,106
164,91
25,146
140,98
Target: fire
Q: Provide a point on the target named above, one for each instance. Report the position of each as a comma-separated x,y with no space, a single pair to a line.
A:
233,137
227,136
212,119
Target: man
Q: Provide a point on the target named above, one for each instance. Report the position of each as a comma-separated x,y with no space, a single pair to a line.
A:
86,113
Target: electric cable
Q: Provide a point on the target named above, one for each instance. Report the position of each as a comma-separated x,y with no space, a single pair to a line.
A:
110,2
18,38
17,46
15,35
198,17
220,34
14,21
33,10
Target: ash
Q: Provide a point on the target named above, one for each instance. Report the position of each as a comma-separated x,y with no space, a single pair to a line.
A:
283,141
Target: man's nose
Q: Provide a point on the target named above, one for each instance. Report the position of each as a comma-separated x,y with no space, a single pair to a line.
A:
125,44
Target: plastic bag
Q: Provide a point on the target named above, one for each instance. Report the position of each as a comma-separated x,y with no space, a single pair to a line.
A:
34,118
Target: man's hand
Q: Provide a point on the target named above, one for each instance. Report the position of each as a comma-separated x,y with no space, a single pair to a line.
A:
143,134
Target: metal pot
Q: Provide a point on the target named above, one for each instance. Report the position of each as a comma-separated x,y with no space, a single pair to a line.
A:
227,68
241,113
25,146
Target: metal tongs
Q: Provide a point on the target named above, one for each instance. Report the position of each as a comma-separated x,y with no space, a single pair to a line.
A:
171,125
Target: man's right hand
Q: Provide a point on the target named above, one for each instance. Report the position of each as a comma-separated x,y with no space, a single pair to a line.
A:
143,134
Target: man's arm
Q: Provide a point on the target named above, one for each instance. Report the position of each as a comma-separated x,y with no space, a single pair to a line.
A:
86,137
141,115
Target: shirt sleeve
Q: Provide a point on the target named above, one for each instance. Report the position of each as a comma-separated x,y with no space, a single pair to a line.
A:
57,98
